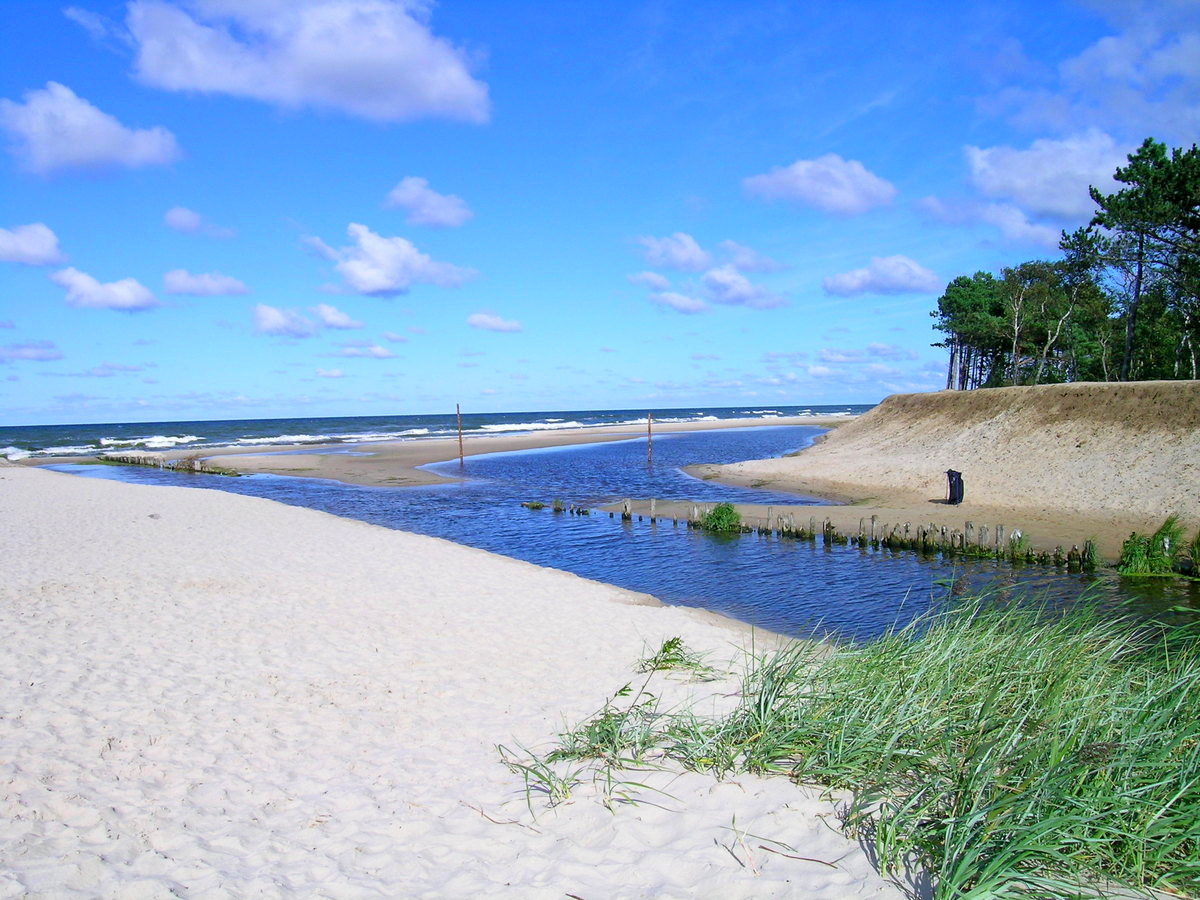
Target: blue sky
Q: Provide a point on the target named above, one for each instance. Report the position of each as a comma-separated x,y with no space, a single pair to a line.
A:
253,208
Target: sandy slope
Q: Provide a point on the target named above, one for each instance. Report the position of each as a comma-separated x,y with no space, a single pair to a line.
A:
1065,462
207,695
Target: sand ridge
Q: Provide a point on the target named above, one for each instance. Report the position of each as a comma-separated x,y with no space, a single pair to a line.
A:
1062,462
212,696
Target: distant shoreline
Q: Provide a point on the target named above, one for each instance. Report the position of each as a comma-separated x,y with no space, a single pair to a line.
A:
397,463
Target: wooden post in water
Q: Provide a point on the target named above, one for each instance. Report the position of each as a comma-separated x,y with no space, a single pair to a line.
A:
458,417
653,503
649,438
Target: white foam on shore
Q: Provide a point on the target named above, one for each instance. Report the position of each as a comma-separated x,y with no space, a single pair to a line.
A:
226,696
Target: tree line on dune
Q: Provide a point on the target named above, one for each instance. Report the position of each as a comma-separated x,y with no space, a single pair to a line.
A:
1122,304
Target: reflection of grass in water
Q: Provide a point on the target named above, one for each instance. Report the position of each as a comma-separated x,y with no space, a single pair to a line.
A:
1007,750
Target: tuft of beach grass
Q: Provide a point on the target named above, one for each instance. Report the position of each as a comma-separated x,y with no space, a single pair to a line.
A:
1005,750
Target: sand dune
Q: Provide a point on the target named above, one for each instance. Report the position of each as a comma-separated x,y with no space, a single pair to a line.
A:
1066,462
208,695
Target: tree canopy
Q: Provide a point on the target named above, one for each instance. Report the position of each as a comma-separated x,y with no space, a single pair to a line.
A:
1122,302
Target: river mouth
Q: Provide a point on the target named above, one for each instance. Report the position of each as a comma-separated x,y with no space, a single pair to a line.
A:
792,587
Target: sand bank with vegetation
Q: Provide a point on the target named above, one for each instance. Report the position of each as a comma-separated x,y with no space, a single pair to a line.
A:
1061,462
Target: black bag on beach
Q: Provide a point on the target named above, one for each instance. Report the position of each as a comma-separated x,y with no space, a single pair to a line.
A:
955,487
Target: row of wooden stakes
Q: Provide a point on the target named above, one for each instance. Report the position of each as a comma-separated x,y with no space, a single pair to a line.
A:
982,541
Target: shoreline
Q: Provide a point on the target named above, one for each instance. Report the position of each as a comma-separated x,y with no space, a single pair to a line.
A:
397,463
215,692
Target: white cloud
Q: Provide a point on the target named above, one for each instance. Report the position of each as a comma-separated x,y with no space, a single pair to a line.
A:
95,25
84,291
676,251
37,351
382,266
377,59
282,322
491,322
365,351
54,129
727,285
885,275
828,183
330,373
678,302
332,317
190,222
834,355
878,370
394,338
1052,177
747,259
820,371
208,284
426,206
1014,225
108,370
652,280
890,351
33,245
1143,78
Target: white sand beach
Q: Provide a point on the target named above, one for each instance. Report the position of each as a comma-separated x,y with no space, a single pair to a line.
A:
211,696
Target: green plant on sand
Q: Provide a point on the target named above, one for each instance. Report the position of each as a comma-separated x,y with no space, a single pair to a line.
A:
721,518
674,656
1006,750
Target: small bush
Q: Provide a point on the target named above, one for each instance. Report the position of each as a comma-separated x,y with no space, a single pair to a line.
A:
1153,555
723,518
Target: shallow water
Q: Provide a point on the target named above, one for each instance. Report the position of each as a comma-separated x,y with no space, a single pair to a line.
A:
787,586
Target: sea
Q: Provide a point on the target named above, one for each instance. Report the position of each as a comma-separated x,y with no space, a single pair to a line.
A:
799,588
18,442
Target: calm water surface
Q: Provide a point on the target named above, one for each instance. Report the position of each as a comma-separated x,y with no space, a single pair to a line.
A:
787,586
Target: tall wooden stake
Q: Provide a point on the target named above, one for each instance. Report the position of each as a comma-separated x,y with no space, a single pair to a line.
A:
458,416
649,438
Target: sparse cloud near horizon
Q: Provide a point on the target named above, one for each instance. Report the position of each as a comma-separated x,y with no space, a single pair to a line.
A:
487,321
35,351
207,284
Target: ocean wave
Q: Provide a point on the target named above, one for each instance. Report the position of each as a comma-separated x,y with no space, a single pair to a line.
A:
154,442
14,453
529,426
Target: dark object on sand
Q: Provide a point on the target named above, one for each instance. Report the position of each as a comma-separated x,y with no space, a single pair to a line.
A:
956,487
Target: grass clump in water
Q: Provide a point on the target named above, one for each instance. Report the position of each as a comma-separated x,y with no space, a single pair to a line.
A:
722,518
1162,553
1006,751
